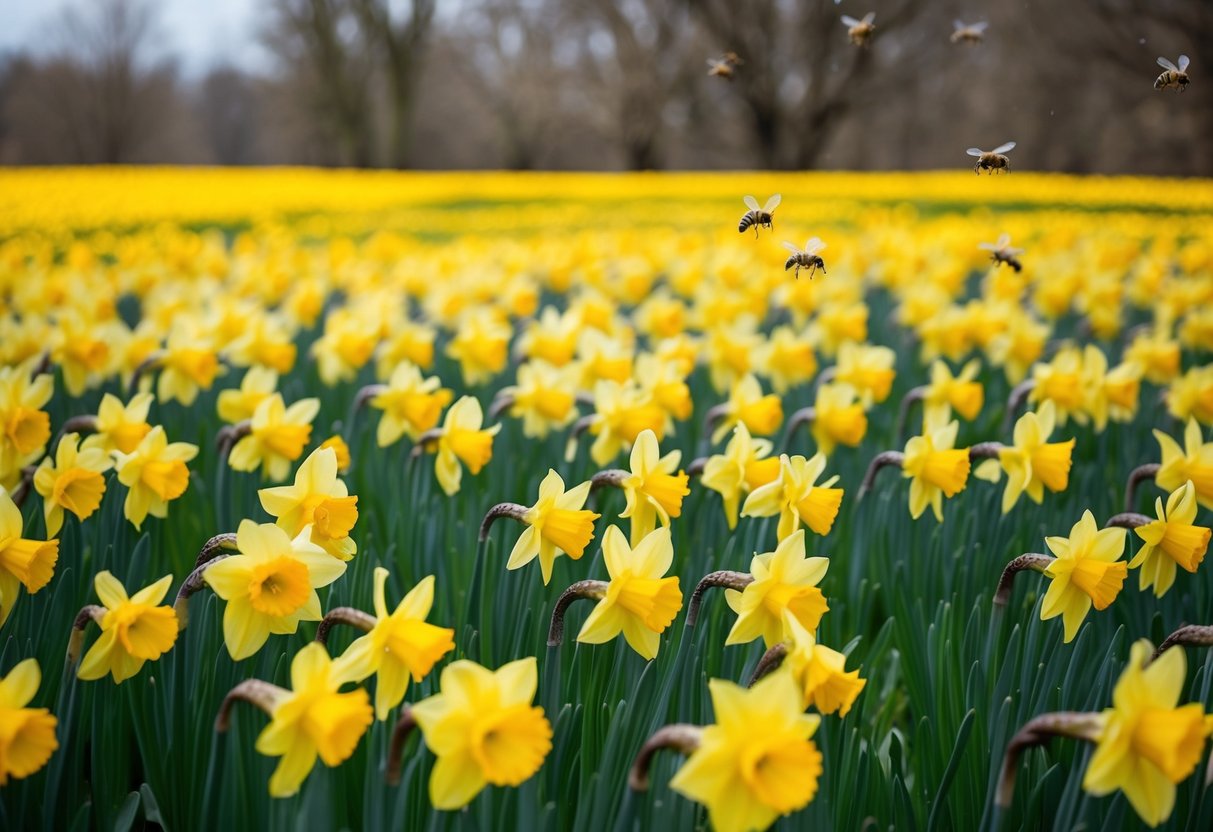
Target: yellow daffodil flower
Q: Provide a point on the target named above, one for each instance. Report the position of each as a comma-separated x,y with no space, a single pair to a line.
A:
602,357
1087,570
82,349
401,644
839,323
258,384
463,439
1191,395
787,359
762,415
74,480
1171,540
1148,741
1156,353
1193,462
838,418
946,393
640,601
345,347
745,465
319,500
1017,348
757,762
264,341
155,474
621,412
783,580
481,346
796,497
411,404
408,341
936,468
270,586
1032,463
189,364
28,563
342,450
134,629
730,351
313,720
278,434
654,491
820,672
664,379
868,369
545,397
552,338
557,523
484,730
120,427
25,427
1061,382
27,735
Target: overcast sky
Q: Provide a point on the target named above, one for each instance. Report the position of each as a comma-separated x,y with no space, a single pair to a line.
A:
200,32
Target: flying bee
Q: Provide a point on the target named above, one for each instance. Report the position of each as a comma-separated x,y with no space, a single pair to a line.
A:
970,33
1001,252
805,258
860,31
758,216
724,66
1175,76
991,160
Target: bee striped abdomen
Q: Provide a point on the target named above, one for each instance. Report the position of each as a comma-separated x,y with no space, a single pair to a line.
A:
748,219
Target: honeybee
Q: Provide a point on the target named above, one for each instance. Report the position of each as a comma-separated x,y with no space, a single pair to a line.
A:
991,160
805,258
860,31
724,66
1175,76
758,216
970,33
1001,252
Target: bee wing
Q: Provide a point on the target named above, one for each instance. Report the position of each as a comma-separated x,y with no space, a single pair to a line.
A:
1165,64
958,25
1003,239
980,27
750,202
973,151
790,247
850,21
814,245
1014,251
712,62
1003,148
772,203
869,18
987,246
1183,63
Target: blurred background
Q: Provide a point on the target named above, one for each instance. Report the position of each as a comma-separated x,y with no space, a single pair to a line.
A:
602,84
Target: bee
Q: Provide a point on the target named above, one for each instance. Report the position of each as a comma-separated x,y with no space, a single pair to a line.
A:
758,216
970,33
805,258
724,66
1001,252
991,160
860,31
1175,76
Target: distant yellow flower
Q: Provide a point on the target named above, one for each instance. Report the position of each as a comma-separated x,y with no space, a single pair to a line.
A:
258,384
82,349
27,735
603,357
1148,741
120,427
1087,570
463,439
783,580
481,346
402,643
317,500
654,491
155,475
946,393
73,480
730,351
408,341
1111,394
545,397
278,435
1156,353
22,562
820,672
787,359
134,629
936,468
346,346
664,379
1170,540
1194,462
270,586
341,449
839,323
868,369
484,730
552,338
24,427
1032,463
312,720
265,341
621,412
556,523
1019,346
796,497
189,364
1061,381
411,404
757,762
744,466
761,414
640,601
1191,395
838,418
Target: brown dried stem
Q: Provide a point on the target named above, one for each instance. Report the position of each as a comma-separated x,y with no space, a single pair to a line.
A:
713,417
591,590
985,450
194,584
613,477
681,737
1193,635
367,393
75,643
1128,520
1034,562
1019,393
400,735
1141,472
695,469
769,663
512,510
253,691
911,397
344,615
724,579
881,460
804,416
148,364
1074,724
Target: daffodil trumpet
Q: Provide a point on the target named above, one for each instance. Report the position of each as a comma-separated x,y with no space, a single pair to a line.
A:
1015,399
150,364
769,663
680,736
1192,635
75,643
1136,477
723,579
400,735
589,590
1038,731
1029,562
343,615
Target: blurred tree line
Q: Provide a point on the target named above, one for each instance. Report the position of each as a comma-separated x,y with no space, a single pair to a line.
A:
623,84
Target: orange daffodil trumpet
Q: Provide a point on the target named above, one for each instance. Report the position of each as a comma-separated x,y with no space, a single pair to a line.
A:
1171,540
410,404
27,735
796,497
73,481
23,562
155,474
1086,571
557,523
317,501
819,671
277,436
462,439
747,405
935,468
1032,463
24,427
